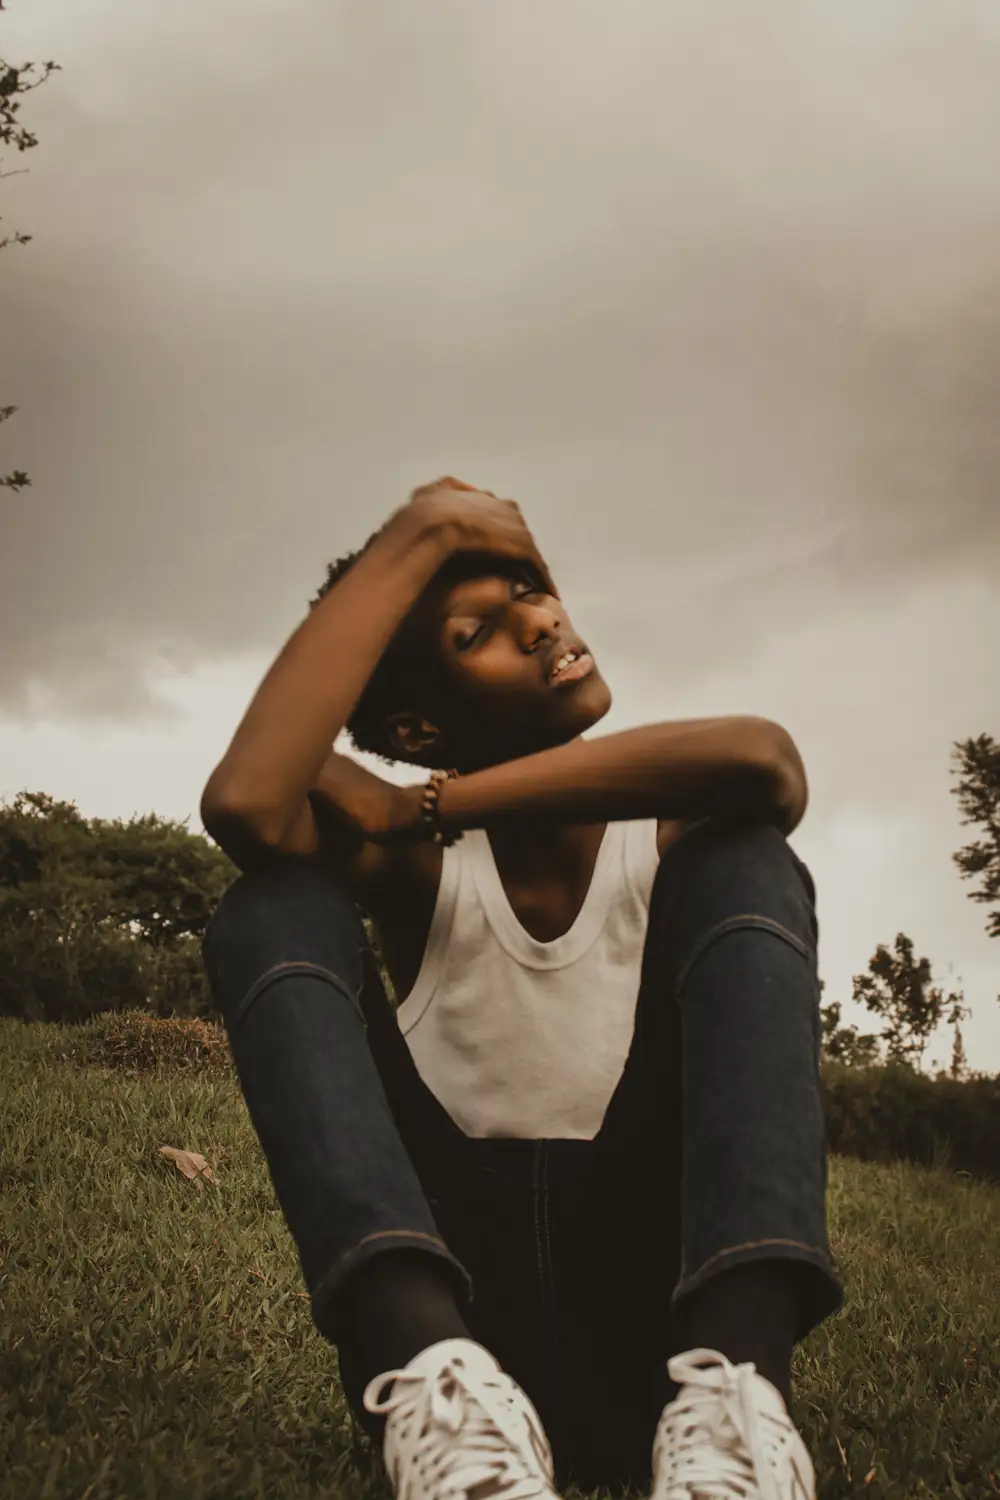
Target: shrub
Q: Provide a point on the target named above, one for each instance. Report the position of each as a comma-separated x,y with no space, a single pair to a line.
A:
102,916
894,1113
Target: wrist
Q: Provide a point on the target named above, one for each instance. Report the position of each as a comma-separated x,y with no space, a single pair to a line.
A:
447,813
436,826
410,811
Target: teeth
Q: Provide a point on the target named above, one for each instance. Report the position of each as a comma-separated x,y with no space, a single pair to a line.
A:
564,661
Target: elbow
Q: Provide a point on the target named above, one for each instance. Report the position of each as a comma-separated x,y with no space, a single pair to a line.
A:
236,819
784,774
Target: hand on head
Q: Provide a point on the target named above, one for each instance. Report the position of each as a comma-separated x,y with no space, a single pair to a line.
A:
477,521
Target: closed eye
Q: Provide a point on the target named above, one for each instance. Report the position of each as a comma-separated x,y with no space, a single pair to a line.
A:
463,642
525,587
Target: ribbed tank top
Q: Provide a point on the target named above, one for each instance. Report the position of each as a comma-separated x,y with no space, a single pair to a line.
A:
520,1038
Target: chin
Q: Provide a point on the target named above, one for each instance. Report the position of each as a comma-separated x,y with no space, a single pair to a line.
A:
594,704
586,710
606,697
581,713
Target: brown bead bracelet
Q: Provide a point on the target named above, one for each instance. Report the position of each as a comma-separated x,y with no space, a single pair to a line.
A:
429,811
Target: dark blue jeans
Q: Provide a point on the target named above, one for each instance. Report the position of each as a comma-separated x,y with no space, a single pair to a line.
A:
568,1258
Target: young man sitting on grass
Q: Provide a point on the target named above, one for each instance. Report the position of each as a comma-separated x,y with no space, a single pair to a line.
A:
563,1212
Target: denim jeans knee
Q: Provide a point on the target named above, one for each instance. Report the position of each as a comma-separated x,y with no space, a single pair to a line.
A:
291,908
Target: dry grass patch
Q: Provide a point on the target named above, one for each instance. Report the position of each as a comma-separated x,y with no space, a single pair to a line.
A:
129,1041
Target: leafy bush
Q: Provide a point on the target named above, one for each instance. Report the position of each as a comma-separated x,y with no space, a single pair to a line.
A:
894,1113
102,916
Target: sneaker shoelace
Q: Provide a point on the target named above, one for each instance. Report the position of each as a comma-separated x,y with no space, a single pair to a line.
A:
429,1413
714,1442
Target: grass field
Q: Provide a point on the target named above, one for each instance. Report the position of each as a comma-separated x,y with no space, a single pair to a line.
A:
156,1340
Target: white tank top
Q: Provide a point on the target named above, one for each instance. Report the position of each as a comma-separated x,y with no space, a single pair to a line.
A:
518,1037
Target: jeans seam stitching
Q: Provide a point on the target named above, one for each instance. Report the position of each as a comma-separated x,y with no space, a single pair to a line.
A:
687,1276
536,1194
544,1254
550,1267
380,1234
735,924
293,966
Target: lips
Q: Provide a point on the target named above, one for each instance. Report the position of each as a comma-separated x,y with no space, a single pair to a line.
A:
562,671
575,672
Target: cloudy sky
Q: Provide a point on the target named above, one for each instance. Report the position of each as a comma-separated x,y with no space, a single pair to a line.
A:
713,291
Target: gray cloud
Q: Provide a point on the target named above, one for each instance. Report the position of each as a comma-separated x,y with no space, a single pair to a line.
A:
718,300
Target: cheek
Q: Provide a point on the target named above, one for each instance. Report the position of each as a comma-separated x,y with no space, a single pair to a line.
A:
472,683
499,664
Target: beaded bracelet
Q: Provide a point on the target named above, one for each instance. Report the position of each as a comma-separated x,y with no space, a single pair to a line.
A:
429,811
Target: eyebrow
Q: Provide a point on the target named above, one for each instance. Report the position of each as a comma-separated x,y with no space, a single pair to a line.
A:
510,579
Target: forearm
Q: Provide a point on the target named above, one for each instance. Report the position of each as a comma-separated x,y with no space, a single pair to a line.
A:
736,767
309,693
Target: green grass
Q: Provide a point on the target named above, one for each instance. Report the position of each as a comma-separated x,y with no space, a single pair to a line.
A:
155,1340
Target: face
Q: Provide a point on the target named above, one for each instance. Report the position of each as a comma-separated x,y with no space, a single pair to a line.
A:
504,684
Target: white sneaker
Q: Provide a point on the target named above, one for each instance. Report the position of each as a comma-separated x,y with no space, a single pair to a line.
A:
458,1426
727,1436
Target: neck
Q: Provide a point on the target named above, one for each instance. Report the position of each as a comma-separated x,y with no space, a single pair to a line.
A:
544,849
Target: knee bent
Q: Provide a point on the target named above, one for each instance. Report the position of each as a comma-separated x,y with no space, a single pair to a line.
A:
725,837
284,895
746,847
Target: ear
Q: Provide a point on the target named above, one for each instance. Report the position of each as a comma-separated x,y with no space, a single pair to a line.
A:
411,735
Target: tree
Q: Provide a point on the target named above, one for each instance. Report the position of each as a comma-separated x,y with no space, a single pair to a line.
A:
958,1012
977,765
899,988
15,82
845,1044
102,915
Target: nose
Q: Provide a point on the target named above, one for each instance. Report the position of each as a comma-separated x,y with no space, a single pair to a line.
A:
538,623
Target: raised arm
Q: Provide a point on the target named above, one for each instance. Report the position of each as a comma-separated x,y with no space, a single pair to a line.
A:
256,799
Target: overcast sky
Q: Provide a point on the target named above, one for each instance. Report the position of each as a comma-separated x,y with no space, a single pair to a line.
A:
713,291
